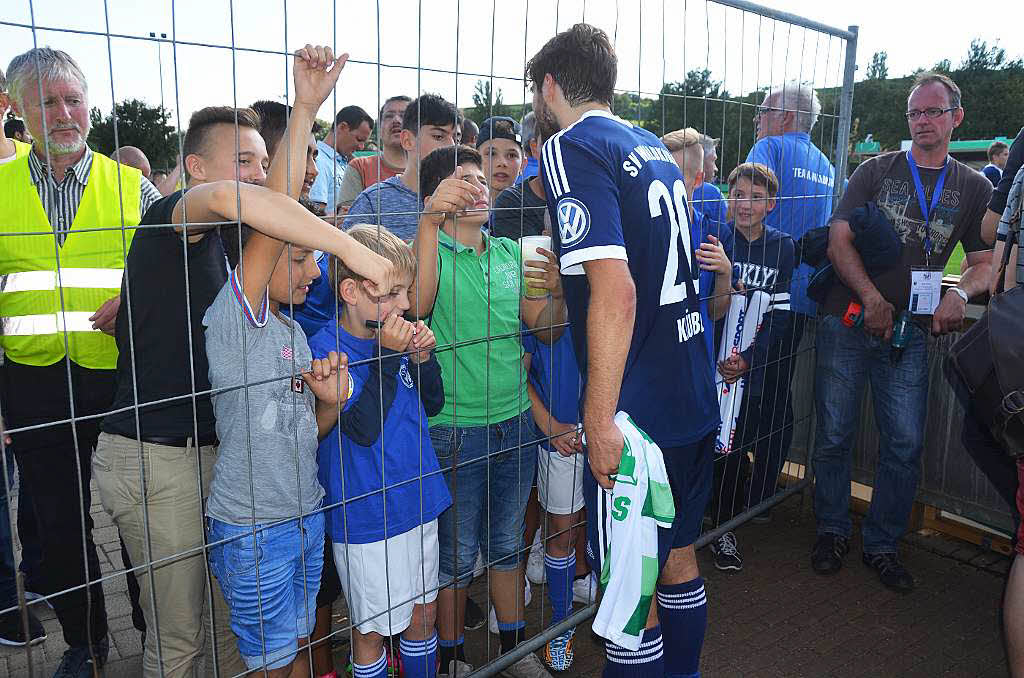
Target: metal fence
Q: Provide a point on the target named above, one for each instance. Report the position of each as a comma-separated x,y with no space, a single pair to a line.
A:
705,64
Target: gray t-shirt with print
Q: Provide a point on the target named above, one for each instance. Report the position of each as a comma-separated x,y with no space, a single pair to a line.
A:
267,432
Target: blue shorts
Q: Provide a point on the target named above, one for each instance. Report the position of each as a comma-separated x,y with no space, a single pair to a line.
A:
490,471
270,577
689,474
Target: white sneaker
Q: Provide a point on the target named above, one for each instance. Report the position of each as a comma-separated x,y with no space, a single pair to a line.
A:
535,570
584,590
492,617
529,666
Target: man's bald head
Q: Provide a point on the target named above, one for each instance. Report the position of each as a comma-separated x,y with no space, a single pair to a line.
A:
133,157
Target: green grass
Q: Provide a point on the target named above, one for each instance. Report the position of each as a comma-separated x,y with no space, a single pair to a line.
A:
953,267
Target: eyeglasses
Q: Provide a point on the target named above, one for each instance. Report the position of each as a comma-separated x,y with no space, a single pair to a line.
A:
761,110
930,113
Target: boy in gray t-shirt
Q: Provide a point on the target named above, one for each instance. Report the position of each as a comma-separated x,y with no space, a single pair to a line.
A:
271,402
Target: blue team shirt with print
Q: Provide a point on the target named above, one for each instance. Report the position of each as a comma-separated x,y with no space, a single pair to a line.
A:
806,180
615,192
393,485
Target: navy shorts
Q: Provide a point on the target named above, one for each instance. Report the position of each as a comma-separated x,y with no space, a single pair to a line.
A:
689,470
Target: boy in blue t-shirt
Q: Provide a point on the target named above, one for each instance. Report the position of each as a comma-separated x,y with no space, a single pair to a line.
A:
383,481
763,262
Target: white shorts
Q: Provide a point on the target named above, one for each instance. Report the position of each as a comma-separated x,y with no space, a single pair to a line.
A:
384,604
559,482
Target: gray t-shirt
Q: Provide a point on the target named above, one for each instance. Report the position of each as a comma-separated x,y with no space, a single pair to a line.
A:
278,472
390,204
518,212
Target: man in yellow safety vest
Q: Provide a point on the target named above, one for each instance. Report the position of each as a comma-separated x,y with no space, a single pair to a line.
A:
67,218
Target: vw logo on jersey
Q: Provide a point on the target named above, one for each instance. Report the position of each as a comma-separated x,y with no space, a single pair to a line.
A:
573,221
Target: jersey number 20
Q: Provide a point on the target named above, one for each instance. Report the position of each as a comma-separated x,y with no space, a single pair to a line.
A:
675,204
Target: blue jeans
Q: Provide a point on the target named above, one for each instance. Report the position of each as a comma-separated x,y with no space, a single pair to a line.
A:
270,577
489,471
847,359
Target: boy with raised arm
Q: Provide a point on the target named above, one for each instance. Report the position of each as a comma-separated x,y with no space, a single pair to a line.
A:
484,434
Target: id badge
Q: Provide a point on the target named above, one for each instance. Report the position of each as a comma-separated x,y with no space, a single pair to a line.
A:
925,290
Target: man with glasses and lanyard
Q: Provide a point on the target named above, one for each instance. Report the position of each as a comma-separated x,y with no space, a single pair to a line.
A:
933,202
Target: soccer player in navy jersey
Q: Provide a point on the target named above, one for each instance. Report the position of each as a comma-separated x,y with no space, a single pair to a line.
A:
624,244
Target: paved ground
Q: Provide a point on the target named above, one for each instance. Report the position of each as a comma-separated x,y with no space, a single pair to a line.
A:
775,618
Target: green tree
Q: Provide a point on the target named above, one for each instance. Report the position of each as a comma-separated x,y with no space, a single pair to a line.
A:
981,57
138,124
878,69
486,102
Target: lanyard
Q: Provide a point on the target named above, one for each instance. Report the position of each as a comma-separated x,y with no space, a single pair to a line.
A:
926,211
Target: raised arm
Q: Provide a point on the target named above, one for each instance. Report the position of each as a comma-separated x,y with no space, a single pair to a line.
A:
453,195
282,218
316,72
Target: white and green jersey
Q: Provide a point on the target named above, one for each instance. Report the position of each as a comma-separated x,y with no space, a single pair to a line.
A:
628,519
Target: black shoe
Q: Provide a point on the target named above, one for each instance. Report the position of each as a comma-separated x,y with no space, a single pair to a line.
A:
890,571
828,553
77,662
474,615
727,553
12,634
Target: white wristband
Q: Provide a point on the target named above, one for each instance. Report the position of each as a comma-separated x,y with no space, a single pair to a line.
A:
959,291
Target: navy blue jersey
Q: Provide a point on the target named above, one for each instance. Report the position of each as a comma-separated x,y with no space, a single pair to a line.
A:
616,193
766,265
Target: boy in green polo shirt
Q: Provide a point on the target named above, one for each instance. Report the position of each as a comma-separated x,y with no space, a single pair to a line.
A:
469,286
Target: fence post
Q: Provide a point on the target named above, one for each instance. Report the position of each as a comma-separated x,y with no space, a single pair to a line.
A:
845,115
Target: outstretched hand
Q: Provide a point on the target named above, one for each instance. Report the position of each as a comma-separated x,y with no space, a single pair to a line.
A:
316,72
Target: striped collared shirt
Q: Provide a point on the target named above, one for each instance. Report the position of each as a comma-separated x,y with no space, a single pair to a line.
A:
61,200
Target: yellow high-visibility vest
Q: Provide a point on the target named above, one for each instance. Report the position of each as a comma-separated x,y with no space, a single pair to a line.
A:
51,291
21,149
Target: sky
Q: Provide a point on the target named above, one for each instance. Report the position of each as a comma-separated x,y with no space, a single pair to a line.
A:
410,46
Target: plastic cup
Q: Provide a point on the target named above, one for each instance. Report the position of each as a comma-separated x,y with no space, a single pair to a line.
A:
528,245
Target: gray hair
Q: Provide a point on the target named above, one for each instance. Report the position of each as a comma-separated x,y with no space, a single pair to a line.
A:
801,100
528,128
43,63
709,143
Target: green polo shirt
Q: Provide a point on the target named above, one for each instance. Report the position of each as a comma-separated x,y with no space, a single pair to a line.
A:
478,298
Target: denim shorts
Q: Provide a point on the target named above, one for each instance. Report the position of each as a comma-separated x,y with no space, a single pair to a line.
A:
490,471
270,577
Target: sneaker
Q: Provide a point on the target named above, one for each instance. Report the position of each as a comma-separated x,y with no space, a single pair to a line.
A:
492,617
456,668
828,553
12,634
584,589
77,662
535,571
558,651
727,553
529,666
474,616
890,571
